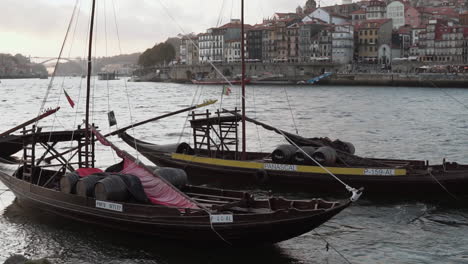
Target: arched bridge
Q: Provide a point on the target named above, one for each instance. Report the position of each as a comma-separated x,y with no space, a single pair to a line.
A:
44,60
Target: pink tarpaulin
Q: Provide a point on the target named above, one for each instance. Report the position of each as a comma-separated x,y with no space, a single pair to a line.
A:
158,190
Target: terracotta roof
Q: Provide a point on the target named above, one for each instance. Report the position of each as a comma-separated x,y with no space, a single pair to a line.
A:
448,11
230,25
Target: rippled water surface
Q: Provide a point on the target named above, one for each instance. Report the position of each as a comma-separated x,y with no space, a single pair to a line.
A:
388,122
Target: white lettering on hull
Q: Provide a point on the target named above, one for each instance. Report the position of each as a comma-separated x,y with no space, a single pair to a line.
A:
222,218
109,206
279,167
380,172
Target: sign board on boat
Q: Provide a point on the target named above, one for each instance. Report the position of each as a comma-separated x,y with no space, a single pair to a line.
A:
221,218
380,172
280,167
109,206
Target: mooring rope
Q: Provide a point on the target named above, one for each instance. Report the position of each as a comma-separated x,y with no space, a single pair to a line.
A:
441,185
332,247
466,107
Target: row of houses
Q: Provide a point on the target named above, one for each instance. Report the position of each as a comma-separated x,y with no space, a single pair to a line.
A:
374,31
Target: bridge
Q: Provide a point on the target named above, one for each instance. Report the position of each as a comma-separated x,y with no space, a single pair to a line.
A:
44,60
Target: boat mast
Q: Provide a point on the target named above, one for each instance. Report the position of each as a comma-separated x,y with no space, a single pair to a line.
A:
88,84
243,156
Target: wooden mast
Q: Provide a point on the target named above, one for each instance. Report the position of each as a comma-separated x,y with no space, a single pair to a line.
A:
243,156
88,84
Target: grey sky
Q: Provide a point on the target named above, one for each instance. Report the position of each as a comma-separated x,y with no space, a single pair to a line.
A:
37,27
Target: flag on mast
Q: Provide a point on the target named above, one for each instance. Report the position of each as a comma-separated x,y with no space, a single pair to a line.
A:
70,101
226,90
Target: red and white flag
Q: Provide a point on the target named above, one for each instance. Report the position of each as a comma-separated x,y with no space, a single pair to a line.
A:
70,101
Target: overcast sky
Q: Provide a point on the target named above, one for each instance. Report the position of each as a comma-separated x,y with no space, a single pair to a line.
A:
37,27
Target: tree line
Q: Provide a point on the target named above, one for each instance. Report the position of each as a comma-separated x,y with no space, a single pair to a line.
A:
161,53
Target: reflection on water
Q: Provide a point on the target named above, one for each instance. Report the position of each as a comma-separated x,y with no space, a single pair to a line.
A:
387,122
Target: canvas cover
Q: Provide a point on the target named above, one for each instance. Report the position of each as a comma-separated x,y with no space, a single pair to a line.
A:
158,190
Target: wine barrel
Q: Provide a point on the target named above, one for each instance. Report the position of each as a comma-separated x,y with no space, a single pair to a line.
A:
347,147
325,155
68,182
111,188
283,153
176,177
301,158
85,186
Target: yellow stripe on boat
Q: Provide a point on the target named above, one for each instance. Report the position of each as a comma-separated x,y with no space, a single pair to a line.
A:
288,167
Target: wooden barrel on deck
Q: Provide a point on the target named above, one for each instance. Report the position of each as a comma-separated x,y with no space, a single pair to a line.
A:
111,188
283,153
68,182
85,186
301,158
325,156
176,177
345,146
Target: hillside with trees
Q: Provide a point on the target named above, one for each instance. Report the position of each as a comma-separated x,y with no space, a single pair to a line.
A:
19,66
160,54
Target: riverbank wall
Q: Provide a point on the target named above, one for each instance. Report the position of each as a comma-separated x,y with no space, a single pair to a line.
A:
435,80
272,73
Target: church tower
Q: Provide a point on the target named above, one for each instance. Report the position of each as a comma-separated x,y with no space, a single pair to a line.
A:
310,4
299,10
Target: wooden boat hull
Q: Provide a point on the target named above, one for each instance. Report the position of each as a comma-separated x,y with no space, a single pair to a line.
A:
168,223
287,177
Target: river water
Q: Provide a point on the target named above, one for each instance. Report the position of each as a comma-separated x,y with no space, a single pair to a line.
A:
387,122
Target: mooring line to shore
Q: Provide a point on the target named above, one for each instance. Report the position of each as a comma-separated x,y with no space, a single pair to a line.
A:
328,245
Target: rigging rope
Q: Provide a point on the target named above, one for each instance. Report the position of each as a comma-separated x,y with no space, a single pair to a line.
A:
60,93
290,110
125,83
220,17
49,87
256,126
194,44
187,117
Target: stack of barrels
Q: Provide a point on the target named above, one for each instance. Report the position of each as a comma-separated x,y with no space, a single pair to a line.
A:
305,155
115,187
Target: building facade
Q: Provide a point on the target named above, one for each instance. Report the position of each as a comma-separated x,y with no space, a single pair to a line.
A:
372,34
396,12
343,44
376,9
309,38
